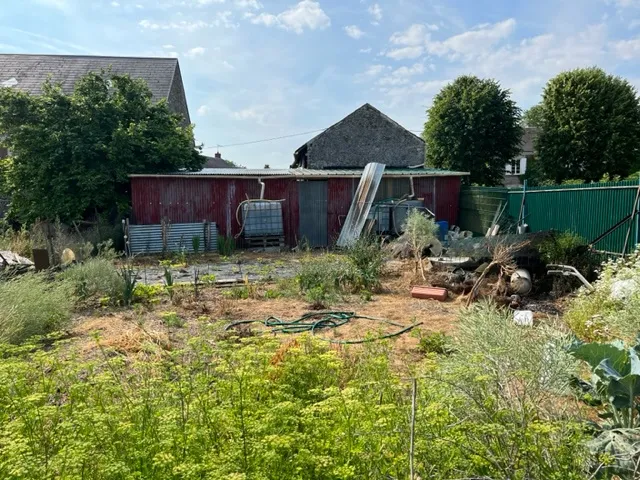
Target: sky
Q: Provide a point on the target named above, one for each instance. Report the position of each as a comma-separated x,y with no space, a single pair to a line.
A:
260,69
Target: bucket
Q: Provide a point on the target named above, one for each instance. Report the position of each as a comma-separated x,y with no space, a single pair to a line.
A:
521,282
444,228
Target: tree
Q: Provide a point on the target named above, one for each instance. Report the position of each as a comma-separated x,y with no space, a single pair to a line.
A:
534,117
72,154
473,126
591,127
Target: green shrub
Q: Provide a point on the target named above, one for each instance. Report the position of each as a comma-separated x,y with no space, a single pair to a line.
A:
599,315
262,409
434,342
226,245
568,248
367,256
32,305
95,277
331,272
171,319
147,293
195,244
129,275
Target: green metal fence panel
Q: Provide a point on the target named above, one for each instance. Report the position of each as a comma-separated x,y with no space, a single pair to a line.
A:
588,210
478,206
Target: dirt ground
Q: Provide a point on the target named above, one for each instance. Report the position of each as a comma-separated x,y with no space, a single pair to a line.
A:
141,331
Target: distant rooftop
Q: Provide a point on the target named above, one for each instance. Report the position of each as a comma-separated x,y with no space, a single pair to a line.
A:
29,72
306,173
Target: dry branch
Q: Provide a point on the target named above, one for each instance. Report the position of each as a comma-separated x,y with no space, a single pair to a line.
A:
502,257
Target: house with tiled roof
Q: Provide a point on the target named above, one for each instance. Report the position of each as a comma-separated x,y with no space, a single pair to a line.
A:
29,72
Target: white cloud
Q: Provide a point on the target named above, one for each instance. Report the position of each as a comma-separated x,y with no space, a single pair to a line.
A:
248,4
305,15
115,4
417,40
265,19
353,31
627,49
474,41
208,2
365,50
227,65
223,19
623,3
375,70
405,52
203,110
402,75
416,34
256,114
187,26
168,47
195,52
376,12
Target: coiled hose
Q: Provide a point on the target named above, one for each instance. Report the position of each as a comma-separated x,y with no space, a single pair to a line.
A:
313,322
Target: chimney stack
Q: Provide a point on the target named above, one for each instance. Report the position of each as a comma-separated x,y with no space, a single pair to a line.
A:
218,155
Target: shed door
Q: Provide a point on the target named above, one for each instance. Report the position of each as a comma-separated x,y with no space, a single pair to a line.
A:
313,212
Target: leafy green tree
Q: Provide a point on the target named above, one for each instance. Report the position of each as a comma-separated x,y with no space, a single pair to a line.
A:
534,117
72,154
473,126
591,127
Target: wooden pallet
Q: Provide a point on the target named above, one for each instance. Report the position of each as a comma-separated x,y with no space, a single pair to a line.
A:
271,242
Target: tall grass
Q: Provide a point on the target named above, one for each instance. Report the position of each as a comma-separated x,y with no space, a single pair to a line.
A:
32,305
95,277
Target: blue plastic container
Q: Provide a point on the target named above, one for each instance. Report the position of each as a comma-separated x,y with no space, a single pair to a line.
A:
444,228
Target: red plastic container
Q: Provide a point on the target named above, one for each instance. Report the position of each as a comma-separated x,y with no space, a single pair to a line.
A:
429,293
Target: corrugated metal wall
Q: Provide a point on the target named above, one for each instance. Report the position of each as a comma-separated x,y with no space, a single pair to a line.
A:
588,210
189,200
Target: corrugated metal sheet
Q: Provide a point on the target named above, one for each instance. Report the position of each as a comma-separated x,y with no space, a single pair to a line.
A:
194,199
361,205
303,173
312,197
588,210
144,239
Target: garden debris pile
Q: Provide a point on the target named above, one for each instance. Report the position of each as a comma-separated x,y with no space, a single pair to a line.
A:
316,321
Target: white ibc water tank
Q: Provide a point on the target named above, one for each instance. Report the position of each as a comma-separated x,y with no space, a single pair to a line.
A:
262,218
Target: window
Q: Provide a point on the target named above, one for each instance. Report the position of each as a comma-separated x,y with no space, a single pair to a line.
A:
513,168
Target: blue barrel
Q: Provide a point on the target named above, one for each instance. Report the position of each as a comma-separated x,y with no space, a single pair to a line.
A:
444,228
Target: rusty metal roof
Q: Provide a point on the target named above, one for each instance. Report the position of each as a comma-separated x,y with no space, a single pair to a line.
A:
306,173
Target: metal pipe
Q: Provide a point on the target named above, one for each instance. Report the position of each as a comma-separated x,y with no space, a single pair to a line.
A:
413,190
261,188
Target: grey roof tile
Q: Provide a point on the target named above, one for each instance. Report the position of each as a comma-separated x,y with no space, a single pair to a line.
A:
31,71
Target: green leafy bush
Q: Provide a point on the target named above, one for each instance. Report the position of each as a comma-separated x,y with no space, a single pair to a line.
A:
367,257
226,245
147,293
32,305
95,277
331,272
257,408
171,319
603,315
568,248
435,342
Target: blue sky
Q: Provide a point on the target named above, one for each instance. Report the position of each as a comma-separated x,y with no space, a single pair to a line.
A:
256,69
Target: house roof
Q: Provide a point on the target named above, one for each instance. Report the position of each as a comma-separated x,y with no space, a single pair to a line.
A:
29,72
529,138
217,163
305,173
355,112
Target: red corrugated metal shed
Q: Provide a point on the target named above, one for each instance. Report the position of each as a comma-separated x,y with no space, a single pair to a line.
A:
185,198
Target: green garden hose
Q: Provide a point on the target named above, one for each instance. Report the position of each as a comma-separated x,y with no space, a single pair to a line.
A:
312,322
